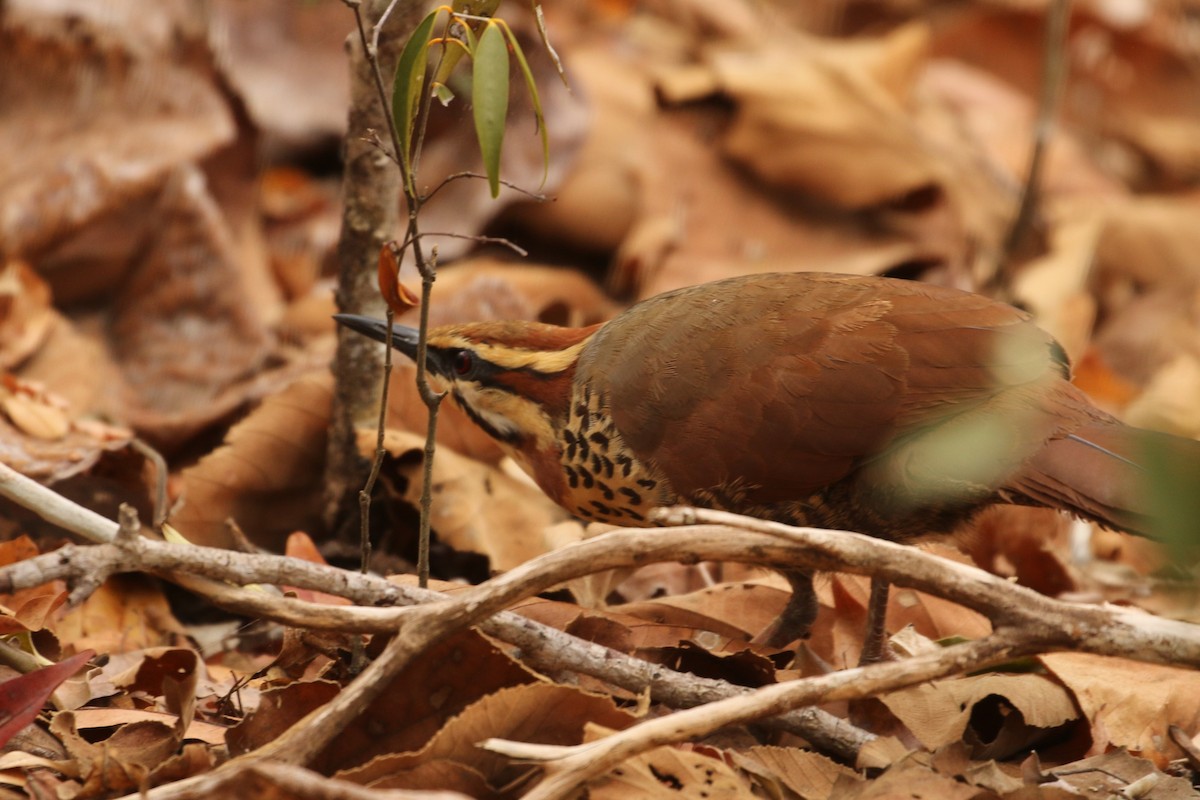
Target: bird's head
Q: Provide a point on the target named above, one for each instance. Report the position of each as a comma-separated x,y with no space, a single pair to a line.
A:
513,379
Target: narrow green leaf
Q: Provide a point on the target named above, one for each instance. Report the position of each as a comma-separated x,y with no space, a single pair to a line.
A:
534,99
406,88
489,90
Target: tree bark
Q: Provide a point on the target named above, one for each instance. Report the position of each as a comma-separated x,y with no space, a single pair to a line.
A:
370,218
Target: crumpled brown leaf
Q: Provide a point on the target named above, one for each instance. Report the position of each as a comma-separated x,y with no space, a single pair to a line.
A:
98,135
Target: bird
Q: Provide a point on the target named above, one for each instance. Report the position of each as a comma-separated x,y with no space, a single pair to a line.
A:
895,408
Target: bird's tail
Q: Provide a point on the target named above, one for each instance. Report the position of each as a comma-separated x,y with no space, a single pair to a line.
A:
1126,478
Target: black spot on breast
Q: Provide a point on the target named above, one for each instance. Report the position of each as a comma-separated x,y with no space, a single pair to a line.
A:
572,478
603,487
596,467
586,477
604,509
584,511
568,436
608,465
584,450
600,439
571,448
626,464
633,496
635,515
646,483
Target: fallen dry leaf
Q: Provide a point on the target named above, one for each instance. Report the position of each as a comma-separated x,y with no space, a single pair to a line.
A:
270,464
1023,710
1130,704
476,507
537,712
668,772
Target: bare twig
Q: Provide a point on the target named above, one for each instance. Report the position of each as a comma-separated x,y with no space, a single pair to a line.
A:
1053,77
53,508
542,647
569,768
432,401
1041,624
479,239
287,779
467,174
160,479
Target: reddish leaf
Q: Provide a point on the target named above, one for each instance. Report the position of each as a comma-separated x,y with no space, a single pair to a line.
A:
22,698
398,296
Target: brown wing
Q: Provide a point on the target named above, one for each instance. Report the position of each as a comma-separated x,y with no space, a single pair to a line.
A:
792,381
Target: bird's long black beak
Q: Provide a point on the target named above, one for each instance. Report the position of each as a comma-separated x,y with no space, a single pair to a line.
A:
404,338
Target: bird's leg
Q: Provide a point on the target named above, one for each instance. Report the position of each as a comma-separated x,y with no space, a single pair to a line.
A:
797,617
876,636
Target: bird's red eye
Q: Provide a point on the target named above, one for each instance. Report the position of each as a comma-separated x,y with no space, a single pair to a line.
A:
463,362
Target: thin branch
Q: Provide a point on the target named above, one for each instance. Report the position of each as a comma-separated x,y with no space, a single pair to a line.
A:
1053,77
543,648
54,508
433,401
541,198
160,479
478,239
371,54
569,768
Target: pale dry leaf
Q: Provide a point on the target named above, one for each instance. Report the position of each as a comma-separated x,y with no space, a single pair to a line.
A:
1054,286
911,776
810,775
127,613
289,64
267,474
26,317
734,610
102,103
88,718
190,343
939,712
650,188
817,117
1169,401
1126,84
476,507
35,418
537,712
1130,704
666,772
1146,242
486,288
1119,774
600,195
436,686
1150,332
40,438
999,119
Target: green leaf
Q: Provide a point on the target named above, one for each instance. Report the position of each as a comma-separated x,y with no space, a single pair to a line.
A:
534,99
489,89
443,93
406,88
457,41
